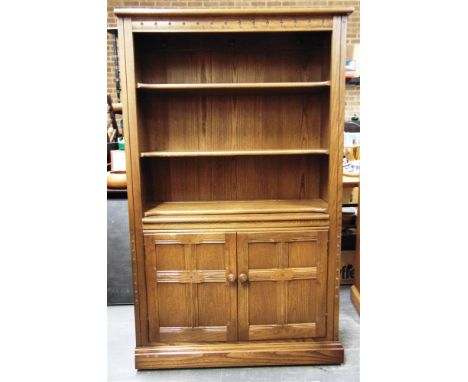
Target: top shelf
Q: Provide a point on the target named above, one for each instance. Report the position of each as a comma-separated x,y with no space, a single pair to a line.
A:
236,86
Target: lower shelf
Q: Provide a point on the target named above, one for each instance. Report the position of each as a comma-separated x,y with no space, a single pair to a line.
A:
237,207
239,354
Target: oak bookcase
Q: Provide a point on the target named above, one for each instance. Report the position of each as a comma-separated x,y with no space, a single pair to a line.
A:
234,129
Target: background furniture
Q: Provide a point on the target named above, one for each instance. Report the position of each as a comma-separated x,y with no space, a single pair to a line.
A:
234,132
348,229
356,288
351,183
119,274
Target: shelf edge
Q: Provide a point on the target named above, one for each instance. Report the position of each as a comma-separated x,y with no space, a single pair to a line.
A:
178,154
244,85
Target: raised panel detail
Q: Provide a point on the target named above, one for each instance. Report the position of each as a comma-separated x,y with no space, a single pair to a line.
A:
205,276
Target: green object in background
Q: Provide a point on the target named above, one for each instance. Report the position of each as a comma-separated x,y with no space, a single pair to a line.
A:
121,144
355,117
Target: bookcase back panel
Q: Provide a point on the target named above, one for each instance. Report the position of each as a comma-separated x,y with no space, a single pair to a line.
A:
184,122
233,178
232,57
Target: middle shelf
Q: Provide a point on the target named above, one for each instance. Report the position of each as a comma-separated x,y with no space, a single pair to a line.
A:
258,86
150,154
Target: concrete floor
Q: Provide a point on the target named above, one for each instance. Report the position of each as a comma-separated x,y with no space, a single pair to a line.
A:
121,342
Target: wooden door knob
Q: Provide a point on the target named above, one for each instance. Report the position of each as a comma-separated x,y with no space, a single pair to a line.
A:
231,277
243,278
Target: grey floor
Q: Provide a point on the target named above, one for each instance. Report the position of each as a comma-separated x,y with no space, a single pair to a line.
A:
121,342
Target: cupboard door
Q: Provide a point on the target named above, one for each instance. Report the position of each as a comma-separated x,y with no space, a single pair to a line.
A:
282,284
190,297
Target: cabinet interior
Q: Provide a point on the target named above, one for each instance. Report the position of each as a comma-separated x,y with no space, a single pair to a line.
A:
225,143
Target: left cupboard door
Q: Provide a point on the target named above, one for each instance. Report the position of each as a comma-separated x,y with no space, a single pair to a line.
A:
191,287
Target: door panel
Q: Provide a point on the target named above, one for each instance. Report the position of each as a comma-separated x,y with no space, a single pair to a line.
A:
174,314
263,304
285,292
189,297
298,292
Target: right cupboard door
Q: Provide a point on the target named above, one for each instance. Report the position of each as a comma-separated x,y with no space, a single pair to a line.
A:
282,284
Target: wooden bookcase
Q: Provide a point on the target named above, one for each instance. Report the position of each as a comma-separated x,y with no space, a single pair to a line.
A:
234,124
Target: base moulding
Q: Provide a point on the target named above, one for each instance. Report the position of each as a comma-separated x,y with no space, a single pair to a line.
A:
239,354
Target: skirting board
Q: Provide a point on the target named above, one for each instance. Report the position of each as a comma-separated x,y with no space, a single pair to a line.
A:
239,354
356,298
